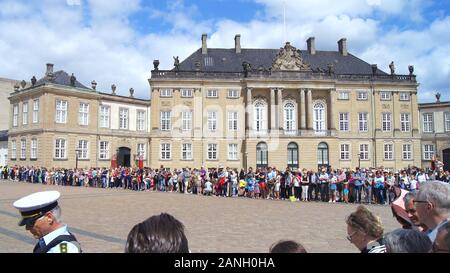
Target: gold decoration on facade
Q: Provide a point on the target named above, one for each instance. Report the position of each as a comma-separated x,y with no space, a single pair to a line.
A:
290,58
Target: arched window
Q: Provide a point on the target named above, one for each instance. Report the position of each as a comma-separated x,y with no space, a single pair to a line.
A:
261,155
319,116
289,117
260,116
292,155
322,154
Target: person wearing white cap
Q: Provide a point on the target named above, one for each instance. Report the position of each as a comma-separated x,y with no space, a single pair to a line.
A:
41,216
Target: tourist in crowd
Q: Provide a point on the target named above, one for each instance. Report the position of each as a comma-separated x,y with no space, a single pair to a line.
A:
287,246
410,209
407,241
442,242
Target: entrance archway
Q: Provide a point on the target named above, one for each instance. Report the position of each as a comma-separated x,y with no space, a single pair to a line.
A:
123,156
446,159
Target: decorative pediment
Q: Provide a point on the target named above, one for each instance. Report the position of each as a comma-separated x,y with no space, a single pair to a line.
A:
290,58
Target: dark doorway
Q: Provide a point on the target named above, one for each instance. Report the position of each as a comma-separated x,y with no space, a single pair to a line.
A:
292,156
322,155
446,159
123,157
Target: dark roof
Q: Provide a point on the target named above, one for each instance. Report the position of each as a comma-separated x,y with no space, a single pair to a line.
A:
62,78
4,135
227,60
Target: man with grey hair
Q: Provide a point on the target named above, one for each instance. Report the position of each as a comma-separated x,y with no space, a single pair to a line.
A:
407,241
433,206
410,209
41,215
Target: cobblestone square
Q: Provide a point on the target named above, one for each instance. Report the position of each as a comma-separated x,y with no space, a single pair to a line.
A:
102,218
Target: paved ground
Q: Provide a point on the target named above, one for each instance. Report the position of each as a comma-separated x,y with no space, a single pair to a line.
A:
102,218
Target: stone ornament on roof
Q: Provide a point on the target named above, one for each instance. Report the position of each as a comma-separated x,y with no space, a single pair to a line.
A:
290,58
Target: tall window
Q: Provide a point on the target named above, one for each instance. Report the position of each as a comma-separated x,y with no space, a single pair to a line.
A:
386,121
187,120
165,151
212,120
260,116
233,151
25,113
447,121
35,111
388,151
362,95
140,120
344,121
165,93
141,150
404,122
322,154
428,151
363,124
261,155
104,116
428,126
212,151
319,116
83,114
103,150
123,118
186,151
34,147
61,111
407,152
292,155
404,96
60,148
23,149
186,93
166,121
82,149
385,95
232,121
364,151
15,114
345,151
13,149
213,93
289,117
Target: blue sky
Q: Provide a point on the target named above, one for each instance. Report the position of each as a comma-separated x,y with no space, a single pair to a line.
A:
116,41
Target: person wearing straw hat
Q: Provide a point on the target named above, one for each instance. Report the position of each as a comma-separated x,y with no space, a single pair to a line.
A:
41,215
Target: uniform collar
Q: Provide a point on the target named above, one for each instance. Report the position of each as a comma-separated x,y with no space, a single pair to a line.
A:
52,235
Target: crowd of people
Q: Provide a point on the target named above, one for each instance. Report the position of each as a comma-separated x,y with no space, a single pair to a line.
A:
370,186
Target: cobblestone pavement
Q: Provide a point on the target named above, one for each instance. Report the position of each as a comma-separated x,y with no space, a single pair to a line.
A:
102,218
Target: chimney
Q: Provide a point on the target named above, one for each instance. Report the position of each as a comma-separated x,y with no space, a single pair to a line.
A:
204,47
237,43
343,46
311,43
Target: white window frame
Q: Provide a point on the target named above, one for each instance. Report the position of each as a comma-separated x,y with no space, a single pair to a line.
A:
124,118
103,150
388,153
428,122
260,116
212,151
344,95
165,120
345,151
363,123
141,150
428,151
186,151
447,121
386,122
25,113
186,119
405,122
289,117
34,148
187,93
212,121
233,93
233,151
83,114
165,93
232,121
36,111
60,151
212,93
15,115
363,95
386,96
319,115
61,111
165,151
13,149
407,151
140,120
23,149
404,96
364,151
344,121
105,112
83,149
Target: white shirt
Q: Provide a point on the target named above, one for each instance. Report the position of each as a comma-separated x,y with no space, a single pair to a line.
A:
71,248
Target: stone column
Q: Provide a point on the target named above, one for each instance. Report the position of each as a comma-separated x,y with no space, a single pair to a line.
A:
302,109
331,109
309,123
273,116
280,108
249,110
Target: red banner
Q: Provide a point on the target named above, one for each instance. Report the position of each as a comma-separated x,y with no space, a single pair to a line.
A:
114,162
